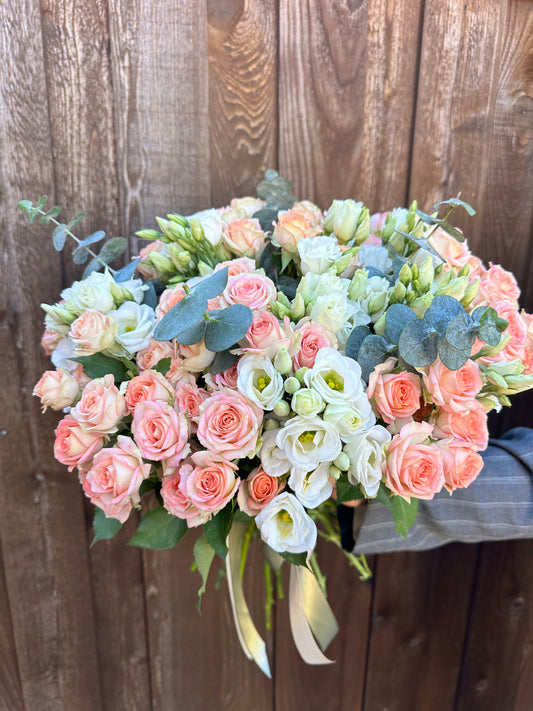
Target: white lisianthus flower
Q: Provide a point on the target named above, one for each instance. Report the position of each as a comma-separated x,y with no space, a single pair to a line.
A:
371,255
307,402
93,293
367,452
311,488
308,441
350,418
312,286
136,324
335,312
336,378
285,526
133,288
273,459
212,224
375,299
317,254
62,354
259,380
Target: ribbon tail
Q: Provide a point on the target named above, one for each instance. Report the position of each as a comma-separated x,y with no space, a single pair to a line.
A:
310,614
251,641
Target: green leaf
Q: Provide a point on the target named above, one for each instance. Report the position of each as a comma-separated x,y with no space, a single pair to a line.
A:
276,190
460,332
181,316
203,557
75,221
148,485
356,337
418,343
347,491
163,366
373,351
113,248
456,202
404,514
223,361
42,202
267,216
384,496
80,254
227,326
295,558
193,334
127,272
441,312
241,517
25,206
50,215
104,527
93,266
452,358
453,231
59,235
217,528
396,318
159,530
98,365
214,284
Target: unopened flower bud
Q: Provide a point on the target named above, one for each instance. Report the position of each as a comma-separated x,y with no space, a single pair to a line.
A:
410,298
204,269
342,219
282,299
149,234
465,271
59,314
291,385
297,308
376,302
334,471
197,229
180,257
342,462
398,293
300,374
405,275
179,219
426,273
282,408
358,284
270,424
415,271
470,293
421,304
379,326
280,310
283,362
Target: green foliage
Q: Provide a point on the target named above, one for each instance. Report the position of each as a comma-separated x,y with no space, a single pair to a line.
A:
384,496
181,316
159,530
203,557
104,527
295,558
213,285
127,272
98,365
347,491
356,337
227,326
80,255
163,366
59,236
149,485
455,202
373,350
216,530
276,191
396,318
404,514
223,361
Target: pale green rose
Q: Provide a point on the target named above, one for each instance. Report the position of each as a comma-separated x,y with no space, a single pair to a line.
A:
307,402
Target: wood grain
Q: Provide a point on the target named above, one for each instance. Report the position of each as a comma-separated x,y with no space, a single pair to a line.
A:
42,525
497,673
243,53
346,98
336,687
10,683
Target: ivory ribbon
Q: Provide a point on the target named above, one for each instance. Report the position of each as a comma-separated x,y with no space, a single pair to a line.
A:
251,641
310,614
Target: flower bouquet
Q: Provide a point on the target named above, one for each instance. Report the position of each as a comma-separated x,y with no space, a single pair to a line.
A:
258,364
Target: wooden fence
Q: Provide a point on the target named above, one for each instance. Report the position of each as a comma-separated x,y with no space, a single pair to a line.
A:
131,109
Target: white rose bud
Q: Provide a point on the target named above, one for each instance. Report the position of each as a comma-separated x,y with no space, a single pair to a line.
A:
283,362
307,402
366,452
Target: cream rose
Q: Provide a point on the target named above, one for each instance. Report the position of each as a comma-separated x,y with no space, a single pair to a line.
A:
317,254
57,389
93,332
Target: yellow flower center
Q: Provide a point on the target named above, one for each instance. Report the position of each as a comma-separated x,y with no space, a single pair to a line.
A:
307,436
334,381
262,382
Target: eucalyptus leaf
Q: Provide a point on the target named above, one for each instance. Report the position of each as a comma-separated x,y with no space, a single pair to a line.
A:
271,254
356,337
216,530
203,557
159,530
460,332
51,214
113,248
59,236
181,316
227,326
396,319
25,206
93,266
441,312
127,272
98,365
193,334
80,254
418,343
42,202
223,361
404,513
452,358
373,351
75,221
213,285
104,528
490,334
453,231
150,295
422,243
456,202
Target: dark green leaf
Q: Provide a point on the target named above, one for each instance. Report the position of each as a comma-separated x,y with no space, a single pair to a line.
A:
193,334
241,517
203,557
181,316
404,514
223,361
347,491
452,358
113,248
75,221
356,337
127,272
227,326
384,496
418,344
150,295
396,318
98,365
42,202
288,285
442,310
456,202
148,485
217,528
158,530
295,558
214,284
104,527
270,260
163,366
267,217
453,231
59,236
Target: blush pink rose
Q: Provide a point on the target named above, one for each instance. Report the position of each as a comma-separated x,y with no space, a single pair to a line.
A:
462,464
377,223
225,379
517,330
93,332
453,389
73,445
113,481
101,406
412,467
229,424
455,253
497,284
189,397
168,299
257,490
160,432
396,395
155,351
176,500
296,224
243,265
197,357
149,385
468,425
146,269
253,290
50,340
177,373
57,389
244,237
211,482
313,338
528,350
265,330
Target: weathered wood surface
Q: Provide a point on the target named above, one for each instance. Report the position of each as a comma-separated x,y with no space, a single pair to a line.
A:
132,109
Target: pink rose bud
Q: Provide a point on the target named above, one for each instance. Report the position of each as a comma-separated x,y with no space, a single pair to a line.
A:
73,445
57,389
154,352
253,290
50,340
211,482
462,464
161,432
93,332
313,338
257,490
396,395
101,406
453,389
149,385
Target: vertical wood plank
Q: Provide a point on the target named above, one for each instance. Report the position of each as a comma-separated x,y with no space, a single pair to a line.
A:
76,47
242,50
41,526
498,664
10,683
336,687
346,98
419,620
